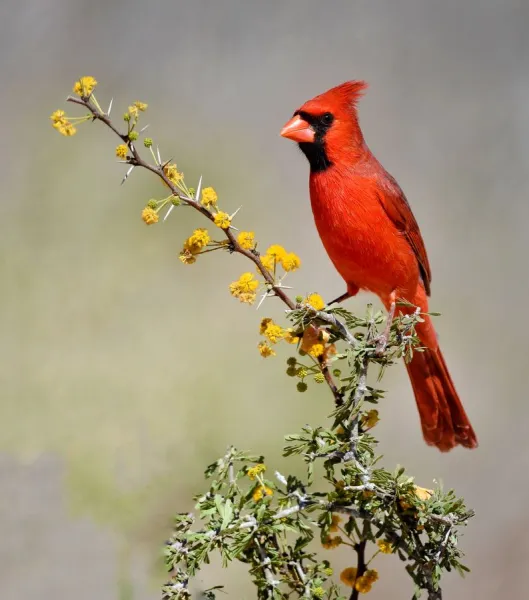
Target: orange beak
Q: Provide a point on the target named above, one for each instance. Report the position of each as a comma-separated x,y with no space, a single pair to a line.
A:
298,130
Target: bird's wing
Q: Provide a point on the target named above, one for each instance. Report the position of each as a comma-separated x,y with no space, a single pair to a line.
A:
398,210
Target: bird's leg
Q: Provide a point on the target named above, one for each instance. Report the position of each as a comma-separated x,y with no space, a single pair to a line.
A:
382,339
352,290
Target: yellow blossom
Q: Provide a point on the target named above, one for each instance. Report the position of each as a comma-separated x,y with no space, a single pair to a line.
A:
61,124
121,151
370,419
385,546
85,86
268,262
363,585
67,129
137,106
261,492
256,470
271,330
291,262
277,252
173,174
149,215
244,288
209,197
316,350
188,258
264,324
222,220
371,575
336,520
246,240
316,301
58,116
290,337
264,349
329,543
348,576
200,239
423,493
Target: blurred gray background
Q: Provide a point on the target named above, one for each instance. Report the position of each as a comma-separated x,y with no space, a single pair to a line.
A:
115,356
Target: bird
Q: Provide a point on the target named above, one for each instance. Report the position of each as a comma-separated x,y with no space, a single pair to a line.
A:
368,229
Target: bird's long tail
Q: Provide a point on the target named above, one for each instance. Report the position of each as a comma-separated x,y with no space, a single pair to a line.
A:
443,419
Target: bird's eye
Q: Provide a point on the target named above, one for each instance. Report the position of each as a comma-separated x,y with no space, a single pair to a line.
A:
327,118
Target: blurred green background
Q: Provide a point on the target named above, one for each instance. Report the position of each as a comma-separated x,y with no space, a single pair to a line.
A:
123,372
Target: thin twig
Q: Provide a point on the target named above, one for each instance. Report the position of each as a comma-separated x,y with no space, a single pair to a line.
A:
234,246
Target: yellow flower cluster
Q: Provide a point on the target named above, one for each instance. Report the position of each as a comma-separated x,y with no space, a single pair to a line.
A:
385,547
61,123
196,242
245,288
370,419
316,301
149,215
336,520
222,220
265,350
173,174
348,576
188,258
256,470
209,197
273,332
261,492
121,151
276,255
290,337
246,240
137,107
421,493
362,584
330,542
85,86
193,245
314,343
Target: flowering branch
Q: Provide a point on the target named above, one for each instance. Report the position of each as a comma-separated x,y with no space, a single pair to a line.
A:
267,524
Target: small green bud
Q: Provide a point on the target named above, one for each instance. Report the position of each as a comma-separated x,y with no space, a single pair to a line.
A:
328,571
319,378
147,142
126,117
302,386
192,191
292,361
133,136
302,372
175,200
318,592
292,371
299,299
152,203
336,372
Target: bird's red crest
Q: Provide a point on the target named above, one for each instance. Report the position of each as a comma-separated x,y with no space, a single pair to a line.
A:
344,96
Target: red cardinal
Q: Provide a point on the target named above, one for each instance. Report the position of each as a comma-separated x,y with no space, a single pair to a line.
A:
372,237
